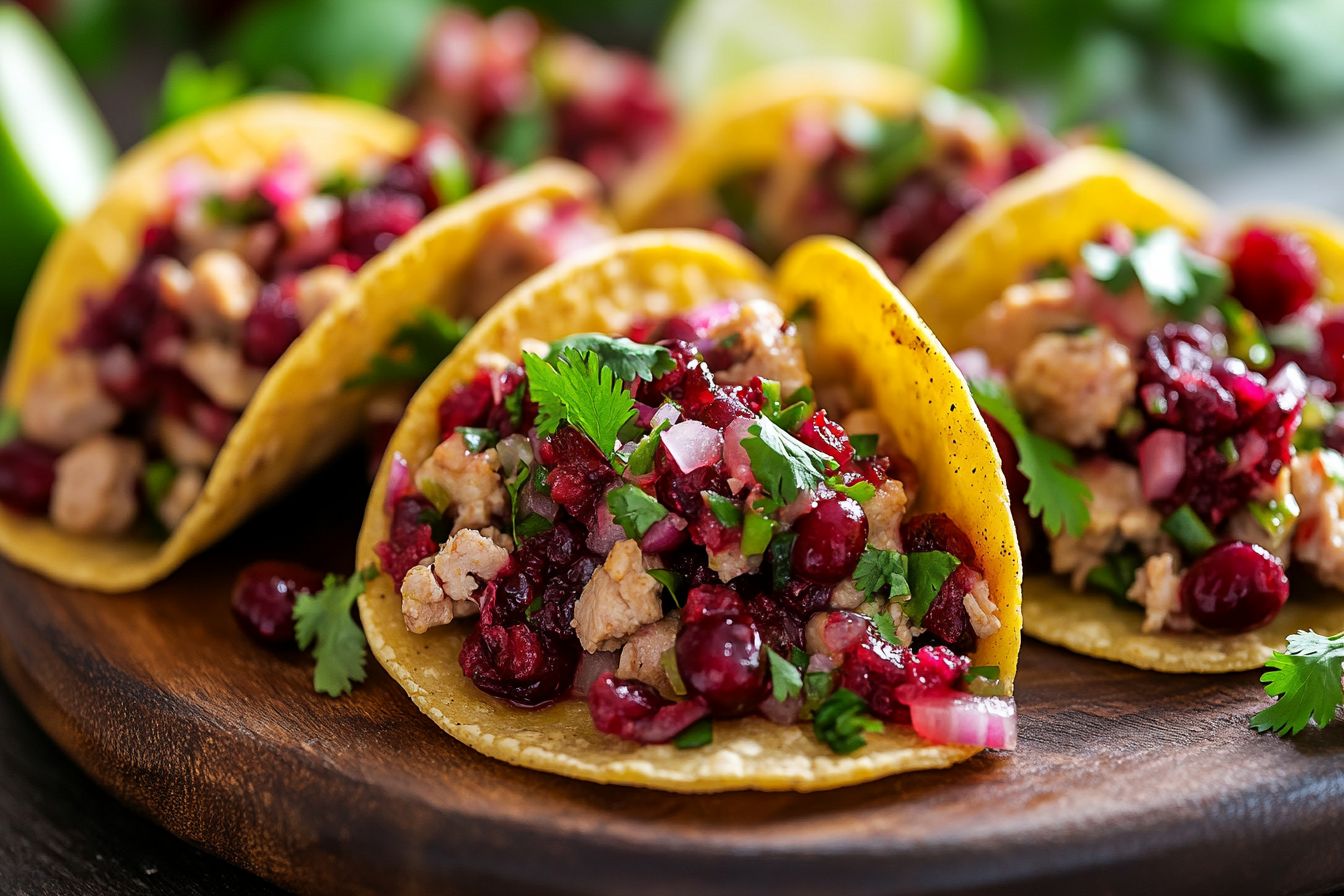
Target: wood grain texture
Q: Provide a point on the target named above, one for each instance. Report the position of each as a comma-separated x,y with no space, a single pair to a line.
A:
1131,778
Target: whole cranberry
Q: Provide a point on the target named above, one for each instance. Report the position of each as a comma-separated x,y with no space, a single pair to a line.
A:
719,651
1274,274
264,595
827,436
636,711
937,532
518,664
1234,587
830,539
27,473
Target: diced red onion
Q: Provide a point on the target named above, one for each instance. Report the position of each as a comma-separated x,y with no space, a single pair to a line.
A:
842,630
666,411
644,414
287,182
973,363
606,531
664,535
591,665
1161,463
692,445
734,455
951,717
398,481
531,501
783,712
806,502
821,662
511,450
1289,383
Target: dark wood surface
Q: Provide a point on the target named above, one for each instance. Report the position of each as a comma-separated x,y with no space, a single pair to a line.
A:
1126,782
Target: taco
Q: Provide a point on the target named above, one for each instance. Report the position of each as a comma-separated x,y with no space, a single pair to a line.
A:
1159,381
184,351
852,148
593,544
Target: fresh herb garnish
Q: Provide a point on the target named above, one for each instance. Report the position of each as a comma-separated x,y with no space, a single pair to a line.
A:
641,459
783,465
11,425
323,620
817,687
698,734
1189,530
634,509
674,582
1245,337
886,627
532,524
920,575
522,135
415,349
1306,679
757,530
513,403
1176,278
1116,573
928,571
864,444
478,439
785,679
1057,497
158,479
627,359
882,571
725,509
513,486
839,722
584,392
781,559
533,608
989,673
861,491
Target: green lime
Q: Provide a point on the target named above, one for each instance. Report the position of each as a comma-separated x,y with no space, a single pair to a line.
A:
711,42
55,151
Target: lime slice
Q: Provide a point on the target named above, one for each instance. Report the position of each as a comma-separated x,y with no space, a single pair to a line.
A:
711,42
55,150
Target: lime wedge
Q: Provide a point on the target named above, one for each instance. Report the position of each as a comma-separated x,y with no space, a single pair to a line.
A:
55,151
711,42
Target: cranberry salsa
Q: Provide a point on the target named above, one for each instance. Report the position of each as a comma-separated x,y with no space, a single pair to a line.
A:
1165,408
669,527
891,184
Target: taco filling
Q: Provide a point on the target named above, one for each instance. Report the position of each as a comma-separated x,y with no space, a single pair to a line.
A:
126,423
1164,406
669,527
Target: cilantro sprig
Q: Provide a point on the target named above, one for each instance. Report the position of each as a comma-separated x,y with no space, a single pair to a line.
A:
1175,278
1057,497
920,575
782,464
786,678
581,390
634,509
414,350
628,360
1306,679
323,619
841,721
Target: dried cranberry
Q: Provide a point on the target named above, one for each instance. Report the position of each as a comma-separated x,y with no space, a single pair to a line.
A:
1234,587
272,324
374,219
1177,358
937,532
518,664
466,405
827,436
409,541
803,598
874,668
719,651
947,619
636,711
831,538
1274,274
264,595
27,473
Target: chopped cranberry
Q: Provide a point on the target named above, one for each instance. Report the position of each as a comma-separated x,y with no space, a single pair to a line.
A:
1235,587
165,337
803,598
582,475
682,492
409,541
518,664
437,150
831,538
947,619
719,651
1178,359
158,239
264,595
921,209
125,377
466,405
374,218
636,711
874,668
272,324
124,317
937,532
27,473
706,401
827,436
506,598
935,668
780,626
1274,274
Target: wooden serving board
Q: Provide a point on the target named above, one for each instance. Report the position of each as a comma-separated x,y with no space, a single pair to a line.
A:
1125,781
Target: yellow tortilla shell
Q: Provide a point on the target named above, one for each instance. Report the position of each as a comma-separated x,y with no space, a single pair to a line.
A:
744,126
300,415
1048,214
872,340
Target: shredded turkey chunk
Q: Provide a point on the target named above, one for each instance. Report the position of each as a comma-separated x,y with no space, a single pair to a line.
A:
96,487
1118,514
884,511
1157,588
443,588
221,373
466,482
980,607
641,657
767,345
65,405
1073,388
1319,537
619,599
1024,312
181,496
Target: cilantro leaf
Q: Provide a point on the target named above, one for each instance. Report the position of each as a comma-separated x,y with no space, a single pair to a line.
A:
880,571
324,619
781,559
725,509
1306,679
628,360
478,439
673,581
928,571
415,349
579,389
785,679
641,459
1175,278
886,627
1060,499
783,465
634,509
864,444
697,734
532,524
861,491
157,479
839,722
817,686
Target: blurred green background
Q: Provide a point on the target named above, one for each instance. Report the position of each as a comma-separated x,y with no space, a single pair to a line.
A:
1245,98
